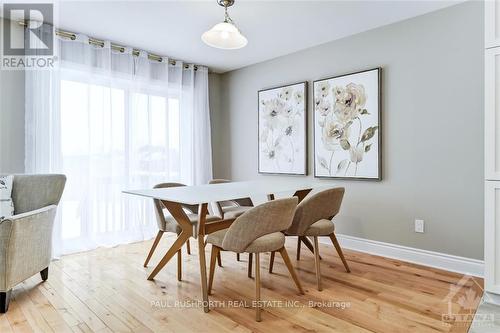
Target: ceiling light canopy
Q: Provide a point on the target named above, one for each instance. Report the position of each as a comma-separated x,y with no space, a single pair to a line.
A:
225,35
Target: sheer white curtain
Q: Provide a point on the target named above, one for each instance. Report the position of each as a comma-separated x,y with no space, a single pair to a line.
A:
111,121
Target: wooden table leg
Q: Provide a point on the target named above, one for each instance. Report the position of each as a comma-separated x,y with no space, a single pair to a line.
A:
202,214
181,239
153,248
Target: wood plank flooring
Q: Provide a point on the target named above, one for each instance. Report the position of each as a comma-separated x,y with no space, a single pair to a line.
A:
106,290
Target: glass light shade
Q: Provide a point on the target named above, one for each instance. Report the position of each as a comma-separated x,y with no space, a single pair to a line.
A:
224,36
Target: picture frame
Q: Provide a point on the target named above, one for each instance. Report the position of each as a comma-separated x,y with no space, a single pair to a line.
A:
347,126
282,129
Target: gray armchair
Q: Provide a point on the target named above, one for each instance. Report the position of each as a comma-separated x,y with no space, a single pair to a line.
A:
26,237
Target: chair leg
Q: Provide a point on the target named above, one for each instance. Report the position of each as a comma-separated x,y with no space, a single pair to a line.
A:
4,301
179,265
44,274
307,242
339,251
219,260
288,264
250,256
213,259
271,262
257,286
316,262
299,241
155,244
237,257
188,247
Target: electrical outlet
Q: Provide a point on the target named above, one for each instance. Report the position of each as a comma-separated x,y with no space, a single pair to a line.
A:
419,226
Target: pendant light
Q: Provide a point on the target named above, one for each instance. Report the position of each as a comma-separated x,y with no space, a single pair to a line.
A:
225,35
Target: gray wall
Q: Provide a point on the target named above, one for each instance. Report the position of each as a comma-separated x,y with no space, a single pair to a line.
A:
12,118
432,127
218,123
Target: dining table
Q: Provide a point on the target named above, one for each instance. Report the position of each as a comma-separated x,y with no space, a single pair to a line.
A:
202,195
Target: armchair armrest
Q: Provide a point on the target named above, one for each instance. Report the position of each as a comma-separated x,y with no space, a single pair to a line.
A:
25,245
23,216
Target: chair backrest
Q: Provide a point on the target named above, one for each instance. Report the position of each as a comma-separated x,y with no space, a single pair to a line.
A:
32,192
322,205
269,217
160,217
239,202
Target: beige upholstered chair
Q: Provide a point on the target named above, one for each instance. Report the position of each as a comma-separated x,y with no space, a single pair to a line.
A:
26,237
168,224
257,230
313,218
232,209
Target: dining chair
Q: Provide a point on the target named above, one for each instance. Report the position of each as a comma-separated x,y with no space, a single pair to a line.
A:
300,195
167,223
313,218
256,231
231,209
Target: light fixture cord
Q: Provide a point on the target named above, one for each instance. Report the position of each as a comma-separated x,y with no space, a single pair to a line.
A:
227,19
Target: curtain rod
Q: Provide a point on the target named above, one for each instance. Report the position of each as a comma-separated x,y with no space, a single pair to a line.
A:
116,47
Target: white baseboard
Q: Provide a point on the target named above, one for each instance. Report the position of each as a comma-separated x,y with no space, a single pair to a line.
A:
491,298
443,261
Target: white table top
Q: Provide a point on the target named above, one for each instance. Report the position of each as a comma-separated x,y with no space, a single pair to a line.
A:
193,195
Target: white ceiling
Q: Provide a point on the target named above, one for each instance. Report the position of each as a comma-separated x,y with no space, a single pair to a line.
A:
273,28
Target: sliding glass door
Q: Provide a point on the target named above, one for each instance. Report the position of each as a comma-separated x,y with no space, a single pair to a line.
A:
114,137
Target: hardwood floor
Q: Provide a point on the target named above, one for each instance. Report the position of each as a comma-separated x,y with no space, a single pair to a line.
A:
107,290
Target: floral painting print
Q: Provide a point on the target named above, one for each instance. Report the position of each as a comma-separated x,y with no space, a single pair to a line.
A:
282,129
346,126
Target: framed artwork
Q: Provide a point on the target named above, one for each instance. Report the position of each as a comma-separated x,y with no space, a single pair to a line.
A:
282,129
347,135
